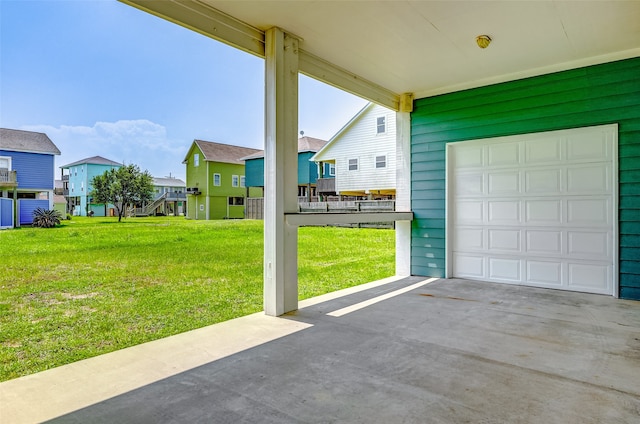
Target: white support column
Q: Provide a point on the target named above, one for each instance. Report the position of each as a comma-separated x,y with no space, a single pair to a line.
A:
403,184
281,173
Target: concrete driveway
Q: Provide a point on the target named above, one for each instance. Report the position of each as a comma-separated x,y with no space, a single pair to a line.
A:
401,351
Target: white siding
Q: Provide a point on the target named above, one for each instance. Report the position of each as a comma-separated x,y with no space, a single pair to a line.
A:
360,141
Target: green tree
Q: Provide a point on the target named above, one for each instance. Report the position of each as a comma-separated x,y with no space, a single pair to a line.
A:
123,187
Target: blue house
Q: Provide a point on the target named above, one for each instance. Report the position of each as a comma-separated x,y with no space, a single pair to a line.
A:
77,177
307,171
26,175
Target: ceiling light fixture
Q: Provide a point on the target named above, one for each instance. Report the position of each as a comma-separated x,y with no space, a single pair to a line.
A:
483,41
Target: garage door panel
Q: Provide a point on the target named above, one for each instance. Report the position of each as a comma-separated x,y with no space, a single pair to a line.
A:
543,150
469,184
541,242
504,154
586,244
470,212
592,179
587,145
504,183
470,238
502,212
589,277
471,157
536,209
469,266
547,181
589,212
504,240
544,273
543,212
505,270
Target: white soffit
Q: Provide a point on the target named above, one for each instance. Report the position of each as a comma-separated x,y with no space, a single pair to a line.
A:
428,47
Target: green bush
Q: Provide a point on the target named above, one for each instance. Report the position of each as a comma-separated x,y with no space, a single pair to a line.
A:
46,218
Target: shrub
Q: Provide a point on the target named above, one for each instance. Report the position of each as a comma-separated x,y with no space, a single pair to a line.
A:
46,218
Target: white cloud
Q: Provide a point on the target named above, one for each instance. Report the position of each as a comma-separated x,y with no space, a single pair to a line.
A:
139,141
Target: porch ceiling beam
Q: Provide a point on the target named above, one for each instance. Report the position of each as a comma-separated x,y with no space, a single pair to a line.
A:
215,24
206,20
320,69
328,218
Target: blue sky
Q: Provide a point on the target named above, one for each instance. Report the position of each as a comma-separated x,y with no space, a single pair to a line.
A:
102,78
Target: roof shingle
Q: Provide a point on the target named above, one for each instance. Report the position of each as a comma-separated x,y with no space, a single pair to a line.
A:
27,141
225,153
94,160
305,144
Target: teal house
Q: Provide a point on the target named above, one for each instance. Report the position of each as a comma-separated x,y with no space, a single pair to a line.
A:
307,171
76,179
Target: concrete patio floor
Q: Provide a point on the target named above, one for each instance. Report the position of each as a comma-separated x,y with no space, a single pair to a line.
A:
395,351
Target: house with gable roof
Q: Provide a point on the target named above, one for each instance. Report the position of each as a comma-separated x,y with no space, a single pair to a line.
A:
216,180
361,157
26,175
76,179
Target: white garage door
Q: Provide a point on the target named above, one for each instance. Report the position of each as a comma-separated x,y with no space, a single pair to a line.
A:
536,209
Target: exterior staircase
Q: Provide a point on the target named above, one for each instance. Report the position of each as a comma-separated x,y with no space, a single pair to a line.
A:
148,209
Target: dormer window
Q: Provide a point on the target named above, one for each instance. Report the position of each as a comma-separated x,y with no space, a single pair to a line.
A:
381,125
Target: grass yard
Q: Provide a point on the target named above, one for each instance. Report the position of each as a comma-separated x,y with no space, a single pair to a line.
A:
93,285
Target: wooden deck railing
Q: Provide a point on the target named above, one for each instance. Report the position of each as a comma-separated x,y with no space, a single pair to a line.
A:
326,185
8,178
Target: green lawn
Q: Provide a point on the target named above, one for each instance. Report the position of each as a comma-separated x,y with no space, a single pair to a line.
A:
93,285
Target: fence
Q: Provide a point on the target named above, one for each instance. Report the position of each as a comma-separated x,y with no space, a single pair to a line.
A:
6,213
26,208
255,209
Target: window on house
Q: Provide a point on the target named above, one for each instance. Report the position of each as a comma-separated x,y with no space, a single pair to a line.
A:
75,172
81,185
235,181
381,126
236,201
353,164
242,181
196,159
216,179
5,162
332,169
73,186
381,161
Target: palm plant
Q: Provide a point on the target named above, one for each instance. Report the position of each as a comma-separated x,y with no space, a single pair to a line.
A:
46,218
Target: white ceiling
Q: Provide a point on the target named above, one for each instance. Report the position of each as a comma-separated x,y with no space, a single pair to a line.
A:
428,47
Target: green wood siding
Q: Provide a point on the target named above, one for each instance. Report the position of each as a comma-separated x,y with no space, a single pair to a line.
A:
595,95
196,177
213,198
